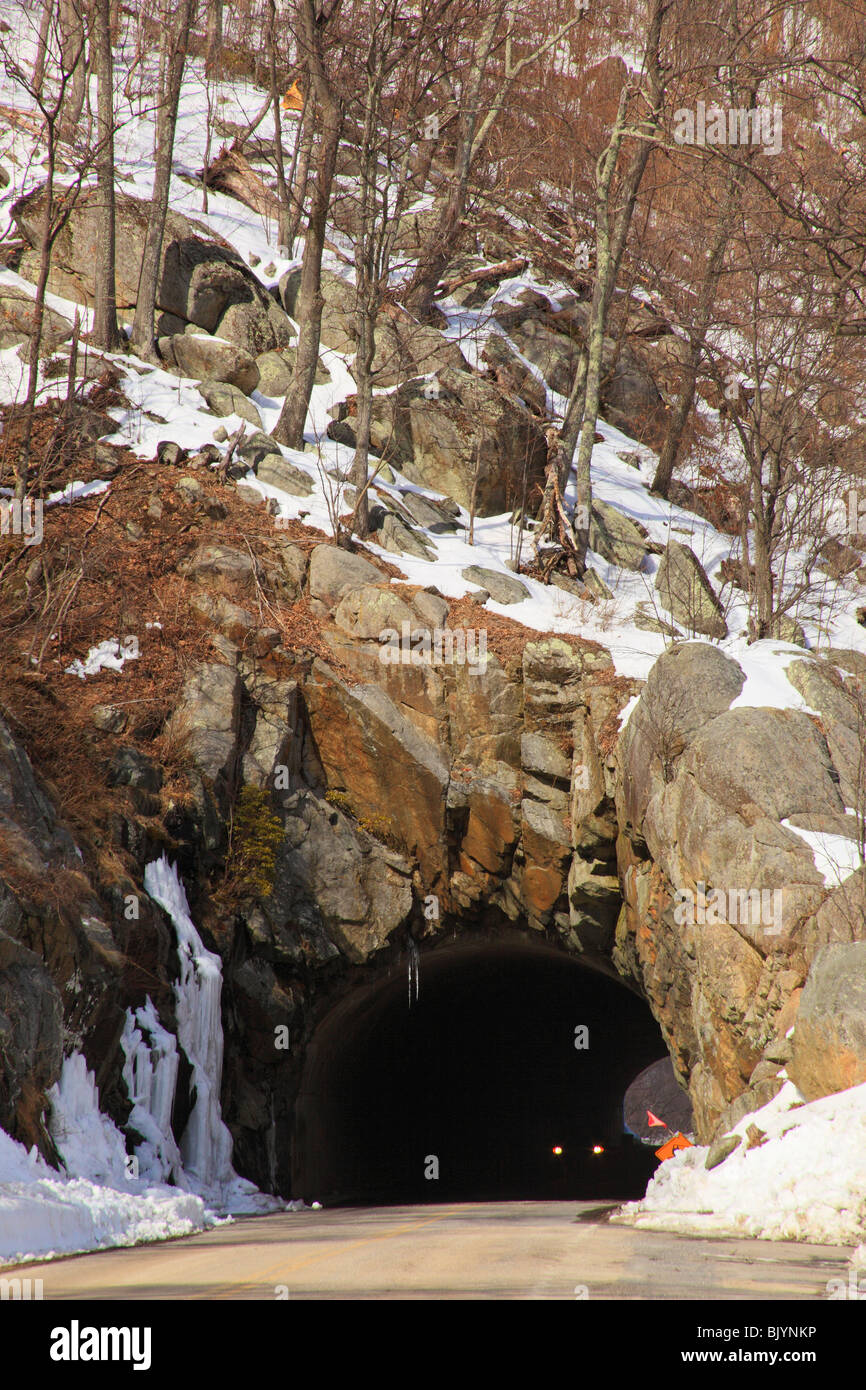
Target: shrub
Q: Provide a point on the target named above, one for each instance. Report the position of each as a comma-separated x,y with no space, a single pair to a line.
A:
256,835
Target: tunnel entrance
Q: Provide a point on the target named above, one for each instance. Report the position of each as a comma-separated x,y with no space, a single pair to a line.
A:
485,1087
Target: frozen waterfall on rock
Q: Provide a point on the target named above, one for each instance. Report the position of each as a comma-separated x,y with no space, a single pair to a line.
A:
202,1162
150,1073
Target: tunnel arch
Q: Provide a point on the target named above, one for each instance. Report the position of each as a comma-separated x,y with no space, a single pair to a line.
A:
480,1073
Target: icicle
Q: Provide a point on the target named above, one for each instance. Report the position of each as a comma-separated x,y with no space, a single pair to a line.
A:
150,1073
414,969
206,1144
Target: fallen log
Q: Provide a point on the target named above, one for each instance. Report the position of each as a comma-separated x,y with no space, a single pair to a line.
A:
480,277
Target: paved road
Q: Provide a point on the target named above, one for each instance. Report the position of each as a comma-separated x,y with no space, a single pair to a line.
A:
498,1250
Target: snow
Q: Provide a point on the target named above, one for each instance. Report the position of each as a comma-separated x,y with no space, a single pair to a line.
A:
836,856
93,1203
807,1182
109,655
150,1073
762,664
105,1197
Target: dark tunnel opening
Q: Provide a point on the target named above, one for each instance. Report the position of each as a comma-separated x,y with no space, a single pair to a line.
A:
468,1091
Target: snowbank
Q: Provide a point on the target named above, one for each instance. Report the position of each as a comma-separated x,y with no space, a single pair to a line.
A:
95,1203
104,1196
806,1182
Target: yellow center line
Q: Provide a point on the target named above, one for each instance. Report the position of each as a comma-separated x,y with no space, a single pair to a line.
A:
329,1254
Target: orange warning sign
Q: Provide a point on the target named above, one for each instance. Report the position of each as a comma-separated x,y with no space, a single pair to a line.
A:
668,1150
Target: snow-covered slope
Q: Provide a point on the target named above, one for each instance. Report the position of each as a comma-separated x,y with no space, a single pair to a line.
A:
804,1180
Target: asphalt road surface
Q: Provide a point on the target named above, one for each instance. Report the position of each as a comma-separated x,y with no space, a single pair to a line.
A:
496,1250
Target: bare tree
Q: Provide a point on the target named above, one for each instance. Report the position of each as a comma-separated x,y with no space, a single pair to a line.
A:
104,333
173,60
290,426
42,45
214,36
73,49
397,75
612,226
55,210
477,111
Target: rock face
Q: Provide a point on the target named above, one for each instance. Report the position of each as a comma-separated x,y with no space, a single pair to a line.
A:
388,774
65,972
462,436
724,908
499,586
617,538
829,1045
203,357
551,340
16,321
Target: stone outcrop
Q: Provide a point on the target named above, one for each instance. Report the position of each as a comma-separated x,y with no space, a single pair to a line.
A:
829,1044
202,282
492,784
724,908
463,436
686,592
16,321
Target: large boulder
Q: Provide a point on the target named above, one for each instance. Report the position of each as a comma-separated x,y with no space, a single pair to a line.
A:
338,312
551,339
225,399
333,572
501,587
724,905
841,702
406,349
463,436
200,356
278,472
275,371
617,537
829,1051
16,321
202,279
512,372
686,592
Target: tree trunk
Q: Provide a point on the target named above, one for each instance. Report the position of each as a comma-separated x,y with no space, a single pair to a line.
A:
364,385
610,245
105,332
42,46
310,303
214,36
72,46
283,191
308,309
435,256
302,156
682,410
174,56
22,468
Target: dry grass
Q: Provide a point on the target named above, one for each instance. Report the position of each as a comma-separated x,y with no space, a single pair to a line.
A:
506,638
90,580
